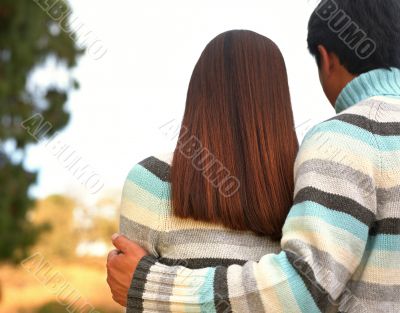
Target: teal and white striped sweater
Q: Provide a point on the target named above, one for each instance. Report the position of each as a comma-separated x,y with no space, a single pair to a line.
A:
341,240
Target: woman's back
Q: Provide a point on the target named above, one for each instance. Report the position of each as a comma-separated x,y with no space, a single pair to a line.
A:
231,174
146,217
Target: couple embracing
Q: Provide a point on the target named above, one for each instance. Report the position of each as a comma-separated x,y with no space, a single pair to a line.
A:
239,218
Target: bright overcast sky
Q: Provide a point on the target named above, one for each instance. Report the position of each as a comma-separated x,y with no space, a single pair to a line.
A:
141,82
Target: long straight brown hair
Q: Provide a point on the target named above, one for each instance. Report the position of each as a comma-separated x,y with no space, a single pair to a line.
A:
233,164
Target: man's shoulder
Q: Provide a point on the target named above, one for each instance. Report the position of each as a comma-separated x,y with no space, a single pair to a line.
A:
373,116
352,129
356,120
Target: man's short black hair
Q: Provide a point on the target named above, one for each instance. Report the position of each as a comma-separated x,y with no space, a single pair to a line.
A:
364,34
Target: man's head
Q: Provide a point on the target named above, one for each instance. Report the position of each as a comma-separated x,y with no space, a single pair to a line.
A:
352,37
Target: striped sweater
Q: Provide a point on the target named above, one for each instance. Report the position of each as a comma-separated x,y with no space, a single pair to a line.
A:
341,240
146,217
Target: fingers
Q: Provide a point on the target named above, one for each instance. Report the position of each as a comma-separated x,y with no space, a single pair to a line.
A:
116,291
120,301
121,242
111,254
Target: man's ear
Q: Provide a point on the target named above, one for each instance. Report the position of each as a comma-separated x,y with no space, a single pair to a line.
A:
326,62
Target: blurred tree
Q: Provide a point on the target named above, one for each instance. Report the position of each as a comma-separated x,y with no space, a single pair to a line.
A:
29,37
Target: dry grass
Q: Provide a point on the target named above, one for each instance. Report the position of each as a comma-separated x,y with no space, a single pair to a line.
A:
23,292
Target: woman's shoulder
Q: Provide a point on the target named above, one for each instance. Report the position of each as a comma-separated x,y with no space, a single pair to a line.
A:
146,198
156,165
151,174
147,187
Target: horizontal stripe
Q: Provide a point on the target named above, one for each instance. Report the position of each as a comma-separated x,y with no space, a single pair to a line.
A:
383,243
388,210
239,238
197,263
157,168
337,131
332,128
375,292
171,277
340,149
200,234
388,203
173,223
141,215
387,167
383,259
377,128
346,149
378,306
388,144
193,243
388,195
214,250
149,182
388,226
378,275
320,233
164,291
388,179
334,218
335,202
349,257
139,233
365,196
136,196
377,111
333,169
388,100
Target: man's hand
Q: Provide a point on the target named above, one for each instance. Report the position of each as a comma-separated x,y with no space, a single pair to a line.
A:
121,265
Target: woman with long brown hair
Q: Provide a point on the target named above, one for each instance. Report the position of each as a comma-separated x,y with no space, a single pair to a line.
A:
223,195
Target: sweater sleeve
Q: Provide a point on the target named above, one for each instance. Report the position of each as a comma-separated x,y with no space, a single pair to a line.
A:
144,207
139,218
324,240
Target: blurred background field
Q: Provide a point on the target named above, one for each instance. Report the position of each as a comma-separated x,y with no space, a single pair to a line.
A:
74,244
24,294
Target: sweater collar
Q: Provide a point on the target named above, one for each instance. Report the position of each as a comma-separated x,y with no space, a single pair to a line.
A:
380,82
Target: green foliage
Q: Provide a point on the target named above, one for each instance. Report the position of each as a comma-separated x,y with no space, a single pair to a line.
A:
28,38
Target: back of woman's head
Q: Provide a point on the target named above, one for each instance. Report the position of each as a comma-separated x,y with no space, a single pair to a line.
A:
233,163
